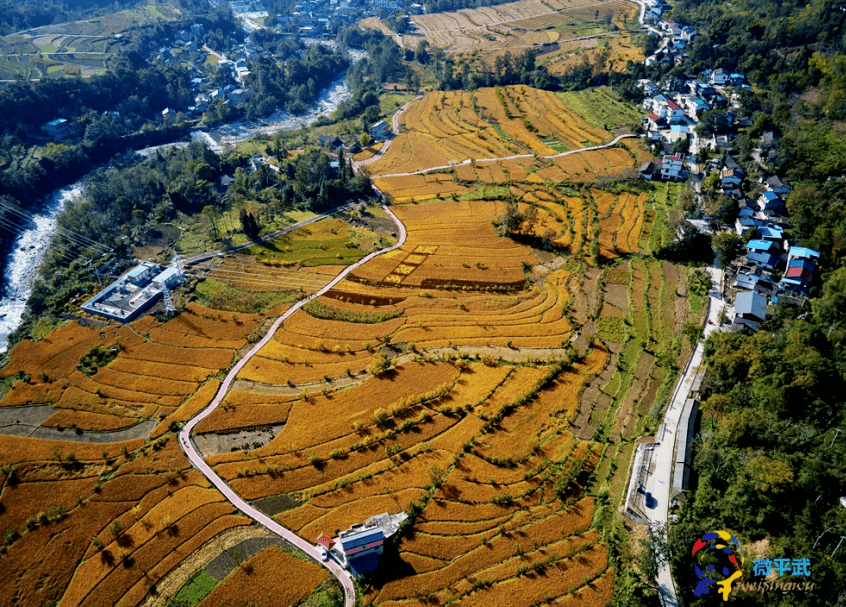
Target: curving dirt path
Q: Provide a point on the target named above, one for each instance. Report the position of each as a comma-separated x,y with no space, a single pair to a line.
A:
611,143
197,461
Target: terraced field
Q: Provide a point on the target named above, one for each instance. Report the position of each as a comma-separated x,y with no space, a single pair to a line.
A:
561,30
488,385
445,128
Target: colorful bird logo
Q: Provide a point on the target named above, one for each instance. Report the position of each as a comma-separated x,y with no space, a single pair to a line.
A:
722,547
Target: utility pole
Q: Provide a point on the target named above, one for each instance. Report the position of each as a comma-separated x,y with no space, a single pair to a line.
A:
836,434
820,536
842,537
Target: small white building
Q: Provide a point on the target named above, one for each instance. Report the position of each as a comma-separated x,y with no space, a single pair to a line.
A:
57,129
380,130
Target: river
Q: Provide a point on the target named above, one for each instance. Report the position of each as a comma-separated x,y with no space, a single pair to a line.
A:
26,256
31,244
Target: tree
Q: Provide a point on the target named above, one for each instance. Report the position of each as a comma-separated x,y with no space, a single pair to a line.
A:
379,365
249,224
699,282
727,210
510,219
728,246
364,139
530,218
212,215
653,554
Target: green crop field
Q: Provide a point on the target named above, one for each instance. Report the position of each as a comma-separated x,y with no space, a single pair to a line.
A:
602,108
195,589
213,293
327,242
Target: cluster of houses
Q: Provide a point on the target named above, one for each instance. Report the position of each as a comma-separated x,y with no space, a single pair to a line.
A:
379,131
319,18
772,268
230,76
675,111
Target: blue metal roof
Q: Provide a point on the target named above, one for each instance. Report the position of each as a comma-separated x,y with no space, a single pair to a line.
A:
747,280
771,196
764,259
792,283
770,232
746,212
751,303
805,264
759,245
804,253
362,537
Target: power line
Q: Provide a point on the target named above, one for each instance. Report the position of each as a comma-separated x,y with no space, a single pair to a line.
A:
69,236
60,248
261,280
262,276
81,239
259,275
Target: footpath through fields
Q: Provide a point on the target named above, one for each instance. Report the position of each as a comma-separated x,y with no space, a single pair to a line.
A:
611,143
197,461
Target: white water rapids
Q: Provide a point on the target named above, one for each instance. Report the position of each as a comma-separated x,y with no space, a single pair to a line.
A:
26,256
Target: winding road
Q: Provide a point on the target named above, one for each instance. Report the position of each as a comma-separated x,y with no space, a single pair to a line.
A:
387,144
185,441
197,461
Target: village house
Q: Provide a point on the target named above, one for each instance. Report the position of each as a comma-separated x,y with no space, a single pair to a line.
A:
720,76
380,130
750,310
58,129
672,167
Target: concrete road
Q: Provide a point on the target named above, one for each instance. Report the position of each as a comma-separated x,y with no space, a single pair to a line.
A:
658,483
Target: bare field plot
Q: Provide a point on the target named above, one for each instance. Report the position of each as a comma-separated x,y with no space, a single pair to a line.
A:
517,25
